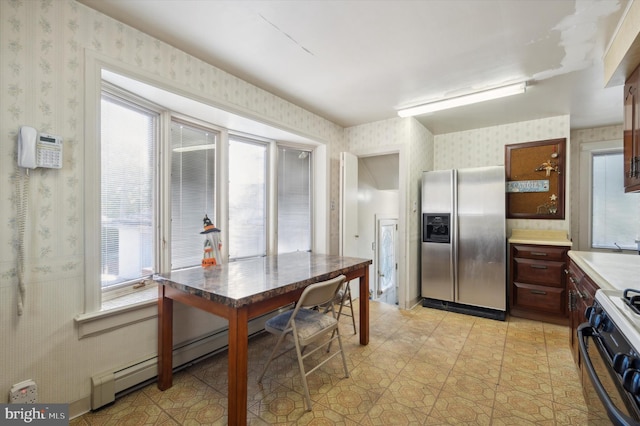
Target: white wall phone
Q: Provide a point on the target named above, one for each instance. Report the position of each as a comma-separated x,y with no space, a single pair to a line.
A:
34,150
38,149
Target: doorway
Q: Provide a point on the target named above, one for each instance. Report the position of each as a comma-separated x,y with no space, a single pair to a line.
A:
370,190
378,198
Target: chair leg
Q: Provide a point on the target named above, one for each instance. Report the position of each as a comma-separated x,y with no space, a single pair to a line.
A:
353,318
344,358
272,356
303,373
346,295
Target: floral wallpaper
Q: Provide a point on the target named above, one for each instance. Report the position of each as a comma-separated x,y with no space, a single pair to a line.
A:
485,147
43,44
416,143
33,94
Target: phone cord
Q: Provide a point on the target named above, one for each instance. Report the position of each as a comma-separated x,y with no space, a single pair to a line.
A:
22,189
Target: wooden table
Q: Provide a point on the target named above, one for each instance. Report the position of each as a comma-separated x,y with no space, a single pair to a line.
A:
240,291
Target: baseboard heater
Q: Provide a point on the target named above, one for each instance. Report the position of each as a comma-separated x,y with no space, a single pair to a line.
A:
477,311
107,386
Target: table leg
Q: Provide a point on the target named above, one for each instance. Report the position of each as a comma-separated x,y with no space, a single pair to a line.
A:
238,360
364,307
165,340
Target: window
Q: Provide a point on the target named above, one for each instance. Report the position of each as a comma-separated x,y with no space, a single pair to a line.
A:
294,200
154,172
614,213
128,162
192,190
247,198
131,192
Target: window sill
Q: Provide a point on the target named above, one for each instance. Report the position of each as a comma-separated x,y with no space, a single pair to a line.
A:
119,312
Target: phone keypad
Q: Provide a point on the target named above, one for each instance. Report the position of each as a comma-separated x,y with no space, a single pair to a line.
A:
48,157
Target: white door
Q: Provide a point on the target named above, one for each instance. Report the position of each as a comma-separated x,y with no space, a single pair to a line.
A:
387,265
349,209
348,204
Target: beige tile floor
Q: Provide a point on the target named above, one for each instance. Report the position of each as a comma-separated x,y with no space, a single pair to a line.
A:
421,367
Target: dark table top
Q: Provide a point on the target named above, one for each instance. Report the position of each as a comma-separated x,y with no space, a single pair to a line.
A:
244,282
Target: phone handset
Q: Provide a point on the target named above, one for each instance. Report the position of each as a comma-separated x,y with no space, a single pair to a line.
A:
38,149
27,147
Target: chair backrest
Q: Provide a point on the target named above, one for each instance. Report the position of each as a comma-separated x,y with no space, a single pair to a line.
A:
321,293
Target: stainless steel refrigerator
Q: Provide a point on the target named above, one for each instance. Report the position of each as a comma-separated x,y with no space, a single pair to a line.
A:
464,241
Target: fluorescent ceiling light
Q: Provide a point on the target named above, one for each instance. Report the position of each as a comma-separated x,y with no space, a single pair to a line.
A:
471,98
194,148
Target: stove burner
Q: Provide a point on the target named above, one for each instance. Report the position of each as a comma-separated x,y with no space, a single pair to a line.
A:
632,300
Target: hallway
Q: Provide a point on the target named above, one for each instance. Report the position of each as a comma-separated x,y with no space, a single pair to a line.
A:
422,366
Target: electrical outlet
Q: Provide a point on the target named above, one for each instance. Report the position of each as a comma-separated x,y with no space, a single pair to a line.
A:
24,393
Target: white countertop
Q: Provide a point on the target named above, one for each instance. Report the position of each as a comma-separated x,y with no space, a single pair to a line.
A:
546,237
614,271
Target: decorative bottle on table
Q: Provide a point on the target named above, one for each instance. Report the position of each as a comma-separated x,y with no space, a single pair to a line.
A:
212,244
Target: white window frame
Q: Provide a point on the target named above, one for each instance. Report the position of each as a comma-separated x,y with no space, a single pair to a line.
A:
96,319
274,179
159,170
269,187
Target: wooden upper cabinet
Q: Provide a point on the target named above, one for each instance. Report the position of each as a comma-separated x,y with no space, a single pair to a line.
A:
631,133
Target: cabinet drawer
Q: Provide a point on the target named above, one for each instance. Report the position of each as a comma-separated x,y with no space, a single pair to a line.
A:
575,274
541,298
539,272
584,287
539,252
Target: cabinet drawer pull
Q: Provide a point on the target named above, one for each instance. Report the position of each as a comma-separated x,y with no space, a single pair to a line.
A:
572,301
539,266
538,253
538,292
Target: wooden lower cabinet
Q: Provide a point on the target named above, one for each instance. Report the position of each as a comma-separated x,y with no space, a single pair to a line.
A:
581,294
537,282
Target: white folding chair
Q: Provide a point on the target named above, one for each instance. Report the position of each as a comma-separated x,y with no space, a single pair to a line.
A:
308,325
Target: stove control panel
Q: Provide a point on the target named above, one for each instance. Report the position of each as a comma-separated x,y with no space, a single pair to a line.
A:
624,359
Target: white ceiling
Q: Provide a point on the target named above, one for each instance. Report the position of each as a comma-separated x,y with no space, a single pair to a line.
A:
358,61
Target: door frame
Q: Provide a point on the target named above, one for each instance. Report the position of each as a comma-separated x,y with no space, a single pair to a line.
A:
404,239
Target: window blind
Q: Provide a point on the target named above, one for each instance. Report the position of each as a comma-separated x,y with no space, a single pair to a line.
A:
192,191
294,200
614,213
247,198
128,136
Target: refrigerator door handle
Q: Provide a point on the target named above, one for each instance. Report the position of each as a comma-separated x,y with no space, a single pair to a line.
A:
454,235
